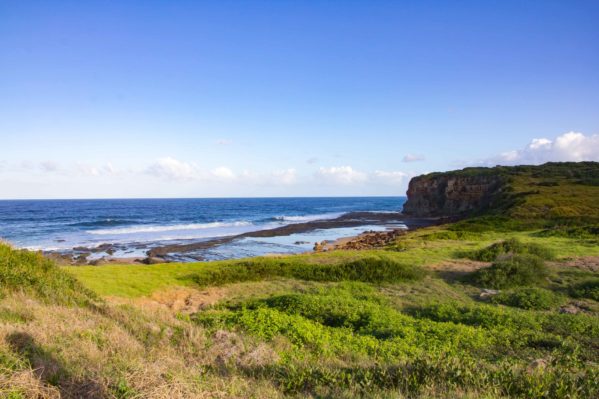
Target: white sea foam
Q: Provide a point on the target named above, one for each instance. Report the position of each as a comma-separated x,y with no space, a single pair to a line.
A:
163,228
308,218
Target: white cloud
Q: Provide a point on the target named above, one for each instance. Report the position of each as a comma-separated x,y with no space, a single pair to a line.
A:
88,170
170,168
224,142
312,160
571,146
391,178
413,158
222,173
173,169
94,171
341,175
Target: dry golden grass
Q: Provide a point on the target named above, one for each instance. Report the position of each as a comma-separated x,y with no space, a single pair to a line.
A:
140,351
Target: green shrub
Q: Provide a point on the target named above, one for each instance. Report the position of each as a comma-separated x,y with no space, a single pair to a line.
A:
517,270
528,298
22,270
374,270
583,232
586,289
510,247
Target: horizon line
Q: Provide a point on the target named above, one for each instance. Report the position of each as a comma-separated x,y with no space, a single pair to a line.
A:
188,198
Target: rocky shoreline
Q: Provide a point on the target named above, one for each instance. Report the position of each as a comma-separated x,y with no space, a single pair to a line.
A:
166,253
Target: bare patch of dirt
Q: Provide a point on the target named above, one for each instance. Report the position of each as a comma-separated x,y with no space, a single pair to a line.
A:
455,269
459,265
590,263
184,300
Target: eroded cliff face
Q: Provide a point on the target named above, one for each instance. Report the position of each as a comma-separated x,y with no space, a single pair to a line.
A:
451,195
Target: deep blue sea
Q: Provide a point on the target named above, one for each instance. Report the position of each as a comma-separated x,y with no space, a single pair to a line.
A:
136,223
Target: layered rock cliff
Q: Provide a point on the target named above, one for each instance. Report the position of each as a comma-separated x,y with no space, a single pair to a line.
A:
452,195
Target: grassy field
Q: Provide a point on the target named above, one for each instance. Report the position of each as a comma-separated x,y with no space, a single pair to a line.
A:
422,248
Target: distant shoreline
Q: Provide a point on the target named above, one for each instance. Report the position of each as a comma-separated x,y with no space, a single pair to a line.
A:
352,219
169,253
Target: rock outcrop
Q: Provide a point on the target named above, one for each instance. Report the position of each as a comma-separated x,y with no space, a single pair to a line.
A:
451,195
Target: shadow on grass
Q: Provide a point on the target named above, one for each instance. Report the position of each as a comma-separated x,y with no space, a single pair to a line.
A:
51,370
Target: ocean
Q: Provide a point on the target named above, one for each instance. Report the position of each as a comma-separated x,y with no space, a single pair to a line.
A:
136,224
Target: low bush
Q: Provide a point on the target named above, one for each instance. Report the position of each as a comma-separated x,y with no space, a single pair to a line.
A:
528,298
373,270
586,289
510,247
517,270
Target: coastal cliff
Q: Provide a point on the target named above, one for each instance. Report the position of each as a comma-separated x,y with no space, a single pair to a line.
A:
555,190
452,195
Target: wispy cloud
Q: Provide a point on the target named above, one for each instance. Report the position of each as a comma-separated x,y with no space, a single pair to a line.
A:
390,178
171,168
175,171
340,175
285,176
224,141
49,166
413,158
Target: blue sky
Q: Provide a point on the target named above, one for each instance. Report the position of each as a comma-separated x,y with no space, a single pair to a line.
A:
281,98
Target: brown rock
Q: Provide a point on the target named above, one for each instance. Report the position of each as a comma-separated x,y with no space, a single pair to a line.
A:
569,309
152,261
448,194
536,366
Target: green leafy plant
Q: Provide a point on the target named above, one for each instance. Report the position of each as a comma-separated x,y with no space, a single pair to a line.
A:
528,298
517,270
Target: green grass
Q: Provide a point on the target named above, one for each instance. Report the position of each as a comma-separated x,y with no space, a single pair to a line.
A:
22,270
137,280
